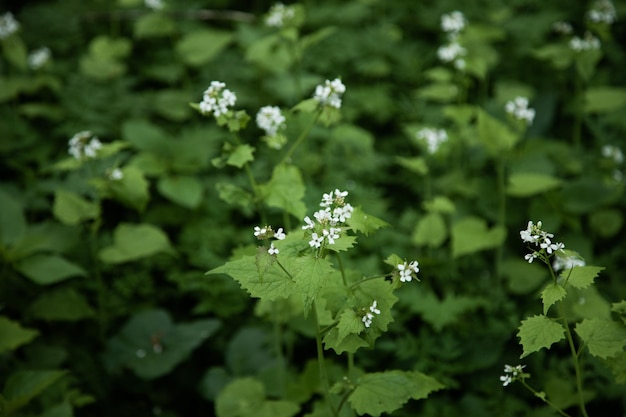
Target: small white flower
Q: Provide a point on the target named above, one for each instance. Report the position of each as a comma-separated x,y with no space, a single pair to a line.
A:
154,4
329,93
217,99
279,15
8,25
450,52
316,241
407,269
309,223
331,234
260,232
530,257
519,109
613,152
83,145
270,119
272,250
565,261
511,373
279,234
589,42
433,138
564,28
322,216
38,58
453,22
602,11
369,315
116,174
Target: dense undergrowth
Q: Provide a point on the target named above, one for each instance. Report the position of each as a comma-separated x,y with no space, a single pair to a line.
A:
437,129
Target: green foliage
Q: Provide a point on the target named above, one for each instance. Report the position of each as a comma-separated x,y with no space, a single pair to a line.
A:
538,332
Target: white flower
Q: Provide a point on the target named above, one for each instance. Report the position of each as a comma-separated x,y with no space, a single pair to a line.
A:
331,234
260,232
519,109
309,223
84,145
407,269
279,15
432,137
589,42
451,51
533,234
530,257
217,99
316,241
8,25
38,58
279,234
564,28
272,250
563,261
116,174
270,119
369,315
453,22
154,4
511,373
613,152
329,93
602,11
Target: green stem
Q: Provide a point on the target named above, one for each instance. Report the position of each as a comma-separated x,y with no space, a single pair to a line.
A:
301,138
544,399
356,284
322,363
343,272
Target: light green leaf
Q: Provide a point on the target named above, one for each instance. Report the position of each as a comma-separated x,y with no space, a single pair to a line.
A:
538,332
471,235
49,269
184,190
441,312
342,244
132,189
494,134
430,231
135,241
63,304
146,136
309,274
234,195
241,155
200,46
286,190
349,323
23,386
153,25
151,345
13,335
365,223
385,392
440,204
245,397
524,184
551,294
581,276
72,209
172,104
604,338
417,165
441,92
604,99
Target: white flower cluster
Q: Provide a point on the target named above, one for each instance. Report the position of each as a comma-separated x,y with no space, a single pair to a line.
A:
329,93
334,213
84,145
563,28
217,99
116,174
613,152
588,43
432,137
564,261
154,4
452,52
602,11
519,109
270,119
407,269
279,15
39,57
533,234
8,25
511,373
369,315
267,232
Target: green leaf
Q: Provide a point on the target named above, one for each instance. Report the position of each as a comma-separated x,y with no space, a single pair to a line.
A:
63,304
417,165
604,338
286,190
441,92
275,283
444,312
151,345
495,135
172,104
15,51
49,269
604,99
241,155
103,61
581,276
23,386
12,220
146,136
63,409
440,204
365,223
606,222
538,332
133,189
13,335
200,46
551,294
234,195
310,274
72,209
471,235
385,392
135,241
525,184
184,190
245,397
153,25
430,231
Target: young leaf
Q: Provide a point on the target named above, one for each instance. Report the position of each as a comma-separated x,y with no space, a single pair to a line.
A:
286,190
365,223
431,230
604,338
241,155
471,235
13,335
538,332
135,241
581,276
71,209
385,392
551,294
309,274
524,184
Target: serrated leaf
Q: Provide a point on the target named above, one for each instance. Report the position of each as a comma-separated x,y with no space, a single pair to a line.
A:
275,283
581,276
241,155
13,335
385,392
135,241
524,184
551,294
342,244
286,190
349,322
245,397
72,209
365,223
23,386
604,338
309,274
538,332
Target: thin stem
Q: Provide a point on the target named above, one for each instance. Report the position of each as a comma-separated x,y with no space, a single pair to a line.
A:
356,284
544,399
343,272
343,400
322,363
301,138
